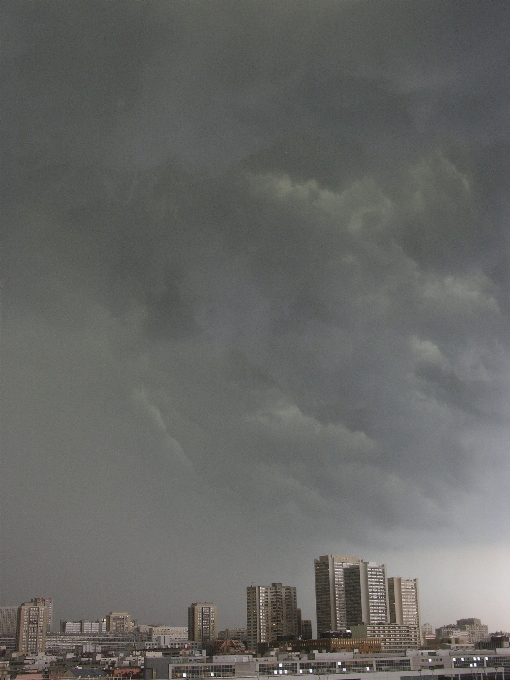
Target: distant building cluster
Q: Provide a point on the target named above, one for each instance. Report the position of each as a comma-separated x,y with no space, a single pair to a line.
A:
367,622
464,631
24,628
356,599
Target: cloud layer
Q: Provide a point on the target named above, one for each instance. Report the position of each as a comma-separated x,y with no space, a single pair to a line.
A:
255,302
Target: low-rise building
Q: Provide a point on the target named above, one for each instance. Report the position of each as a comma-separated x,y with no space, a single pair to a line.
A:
172,632
393,637
412,665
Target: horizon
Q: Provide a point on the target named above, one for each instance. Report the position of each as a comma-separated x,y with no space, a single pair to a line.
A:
255,266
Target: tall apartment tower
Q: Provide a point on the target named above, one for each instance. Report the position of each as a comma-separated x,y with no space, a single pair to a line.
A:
349,592
9,621
32,624
202,622
257,616
48,603
271,614
404,601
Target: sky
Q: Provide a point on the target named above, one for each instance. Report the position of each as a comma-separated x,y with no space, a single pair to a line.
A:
256,301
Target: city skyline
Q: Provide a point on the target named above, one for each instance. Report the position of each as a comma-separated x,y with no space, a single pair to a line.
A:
255,301
342,600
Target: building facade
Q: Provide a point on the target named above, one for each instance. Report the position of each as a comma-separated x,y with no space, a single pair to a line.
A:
9,621
271,614
476,630
202,622
306,629
469,631
404,601
232,634
257,616
349,592
173,632
394,638
93,627
335,665
83,626
118,622
32,626
48,603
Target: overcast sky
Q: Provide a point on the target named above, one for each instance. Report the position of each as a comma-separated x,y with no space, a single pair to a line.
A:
256,301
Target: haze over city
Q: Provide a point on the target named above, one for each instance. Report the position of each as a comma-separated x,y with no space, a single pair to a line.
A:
255,302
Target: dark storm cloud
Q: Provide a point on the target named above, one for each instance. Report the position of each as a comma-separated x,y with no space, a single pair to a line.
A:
255,277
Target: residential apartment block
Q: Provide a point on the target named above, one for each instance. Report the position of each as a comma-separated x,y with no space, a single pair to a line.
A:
8,621
48,603
118,622
404,601
202,622
32,626
394,638
271,614
349,592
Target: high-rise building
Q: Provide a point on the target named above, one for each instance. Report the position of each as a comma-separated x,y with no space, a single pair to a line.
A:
48,603
271,614
306,629
202,622
404,601
118,622
32,625
374,576
8,621
257,616
349,592
298,622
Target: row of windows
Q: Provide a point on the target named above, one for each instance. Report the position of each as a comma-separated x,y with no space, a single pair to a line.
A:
204,671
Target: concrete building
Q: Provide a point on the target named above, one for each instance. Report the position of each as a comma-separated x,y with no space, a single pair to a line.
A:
337,645
306,629
476,630
70,627
8,621
257,616
404,601
171,632
232,634
394,637
468,631
32,626
118,622
426,629
414,665
271,614
83,626
349,592
93,627
452,633
48,603
202,622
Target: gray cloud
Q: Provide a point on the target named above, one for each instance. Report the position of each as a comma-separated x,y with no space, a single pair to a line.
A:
255,298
